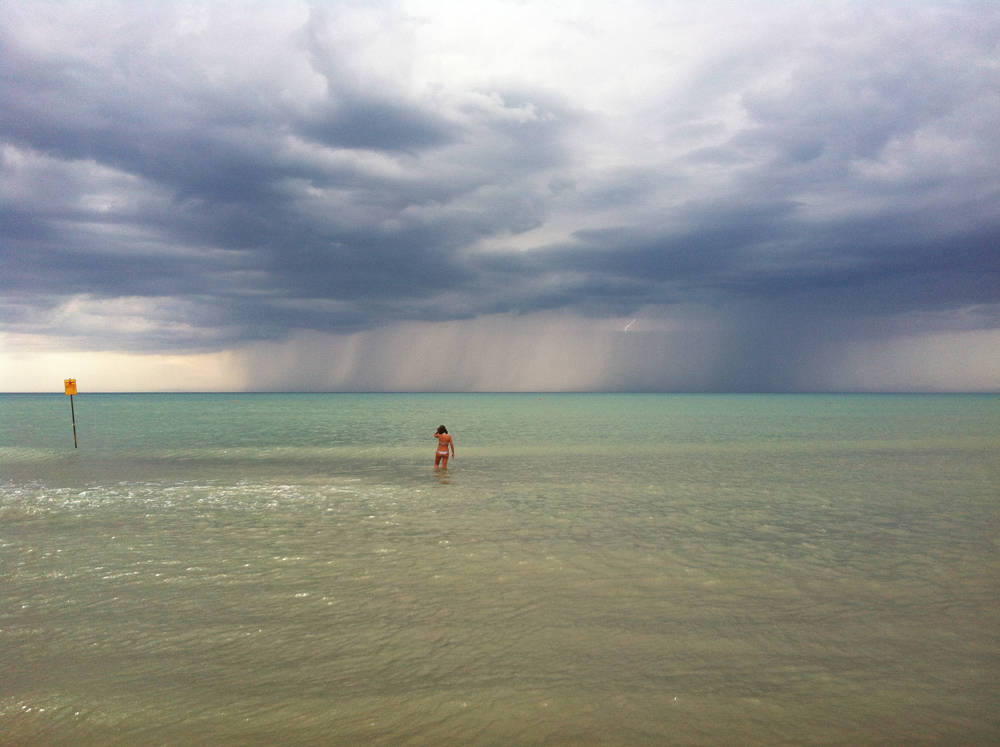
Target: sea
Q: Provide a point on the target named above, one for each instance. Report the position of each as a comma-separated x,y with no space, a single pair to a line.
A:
591,569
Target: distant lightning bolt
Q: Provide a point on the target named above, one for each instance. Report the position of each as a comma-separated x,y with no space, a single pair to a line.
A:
628,326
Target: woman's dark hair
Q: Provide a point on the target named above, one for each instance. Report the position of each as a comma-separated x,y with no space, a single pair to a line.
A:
442,429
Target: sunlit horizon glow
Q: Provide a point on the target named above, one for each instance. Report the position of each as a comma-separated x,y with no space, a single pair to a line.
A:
418,195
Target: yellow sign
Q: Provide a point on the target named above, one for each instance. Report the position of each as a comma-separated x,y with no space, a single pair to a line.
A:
70,386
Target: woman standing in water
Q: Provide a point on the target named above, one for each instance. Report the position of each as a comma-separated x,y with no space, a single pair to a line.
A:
444,441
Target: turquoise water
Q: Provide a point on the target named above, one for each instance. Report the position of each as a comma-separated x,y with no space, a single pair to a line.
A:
593,569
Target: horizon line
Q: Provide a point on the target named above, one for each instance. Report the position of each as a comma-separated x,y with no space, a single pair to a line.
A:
525,391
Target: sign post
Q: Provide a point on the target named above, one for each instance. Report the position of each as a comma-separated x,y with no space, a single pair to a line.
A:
70,385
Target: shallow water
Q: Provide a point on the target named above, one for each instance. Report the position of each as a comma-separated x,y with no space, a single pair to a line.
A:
593,569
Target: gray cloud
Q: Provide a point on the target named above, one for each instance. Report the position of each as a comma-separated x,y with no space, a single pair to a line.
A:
835,169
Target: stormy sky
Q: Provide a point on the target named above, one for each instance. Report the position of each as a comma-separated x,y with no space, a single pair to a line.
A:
500,195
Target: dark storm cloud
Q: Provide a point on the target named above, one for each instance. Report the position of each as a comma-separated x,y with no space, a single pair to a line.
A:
843,174
378,125
881,266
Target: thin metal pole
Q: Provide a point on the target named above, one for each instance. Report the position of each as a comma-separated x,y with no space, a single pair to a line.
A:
72,412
